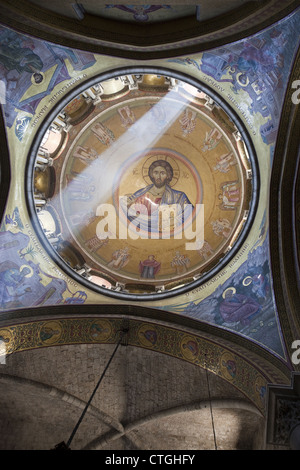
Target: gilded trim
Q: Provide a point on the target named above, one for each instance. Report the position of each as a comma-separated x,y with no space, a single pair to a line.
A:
223,361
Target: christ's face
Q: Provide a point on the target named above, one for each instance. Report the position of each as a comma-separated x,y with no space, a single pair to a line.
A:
159,176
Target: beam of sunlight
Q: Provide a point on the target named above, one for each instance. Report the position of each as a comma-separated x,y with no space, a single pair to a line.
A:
141,135
83,193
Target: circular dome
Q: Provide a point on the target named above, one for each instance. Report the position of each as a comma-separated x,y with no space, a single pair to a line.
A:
153,188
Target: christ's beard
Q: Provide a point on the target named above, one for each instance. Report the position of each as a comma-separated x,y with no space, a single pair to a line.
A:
159,183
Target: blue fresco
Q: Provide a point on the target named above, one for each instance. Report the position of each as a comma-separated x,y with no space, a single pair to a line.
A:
21,279
259,66
25,61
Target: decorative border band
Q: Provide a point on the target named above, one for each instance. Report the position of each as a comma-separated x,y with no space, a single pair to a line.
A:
223,362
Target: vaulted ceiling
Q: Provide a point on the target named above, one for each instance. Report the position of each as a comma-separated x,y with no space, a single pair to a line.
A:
91,96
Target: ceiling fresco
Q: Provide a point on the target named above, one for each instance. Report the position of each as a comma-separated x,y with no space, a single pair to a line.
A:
250,76
174,176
